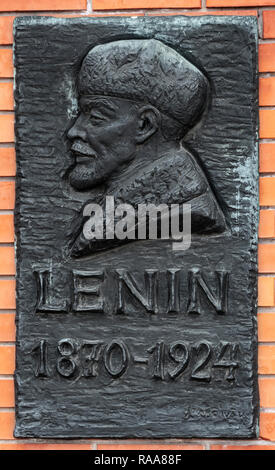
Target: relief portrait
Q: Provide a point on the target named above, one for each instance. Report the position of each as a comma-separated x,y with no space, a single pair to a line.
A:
136,338
137,101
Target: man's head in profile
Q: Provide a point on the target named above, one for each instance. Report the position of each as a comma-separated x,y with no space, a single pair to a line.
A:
135,97
138,99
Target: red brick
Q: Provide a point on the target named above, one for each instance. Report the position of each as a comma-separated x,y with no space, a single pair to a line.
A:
203,13
266,359
267,191
266,327
7,161
40,5
267,157
6,23
267,223
7,228
7,393
7,327
267,426
6,65
7,294
267,392
7,262
7,423
267,91
269,24
99,15
267,123
238,3
7,195
136,4
267,57
266,294
6,128
7,360
6,96
266,258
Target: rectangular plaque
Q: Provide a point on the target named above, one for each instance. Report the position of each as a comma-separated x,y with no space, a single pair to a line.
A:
132,323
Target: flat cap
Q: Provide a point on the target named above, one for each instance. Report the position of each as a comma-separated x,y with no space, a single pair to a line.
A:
147,71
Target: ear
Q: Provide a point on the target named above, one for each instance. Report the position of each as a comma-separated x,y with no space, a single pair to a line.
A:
148,123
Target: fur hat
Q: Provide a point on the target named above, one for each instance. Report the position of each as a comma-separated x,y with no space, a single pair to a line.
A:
147,71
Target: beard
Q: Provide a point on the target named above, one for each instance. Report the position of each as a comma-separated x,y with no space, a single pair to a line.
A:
86,176
89,170
92,170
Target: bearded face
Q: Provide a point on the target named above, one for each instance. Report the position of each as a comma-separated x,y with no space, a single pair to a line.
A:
102,139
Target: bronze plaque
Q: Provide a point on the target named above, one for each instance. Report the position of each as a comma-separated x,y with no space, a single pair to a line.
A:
136,227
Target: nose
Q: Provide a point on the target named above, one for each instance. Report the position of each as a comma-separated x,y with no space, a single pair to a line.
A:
77,130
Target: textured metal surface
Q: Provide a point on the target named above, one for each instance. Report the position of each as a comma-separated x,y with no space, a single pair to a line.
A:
136,339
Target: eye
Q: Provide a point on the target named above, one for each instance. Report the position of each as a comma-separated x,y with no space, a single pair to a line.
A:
91,113
96,118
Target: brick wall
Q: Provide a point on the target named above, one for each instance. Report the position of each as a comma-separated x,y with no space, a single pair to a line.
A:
265,11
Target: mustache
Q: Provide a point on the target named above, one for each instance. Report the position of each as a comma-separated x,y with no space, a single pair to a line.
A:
81,148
